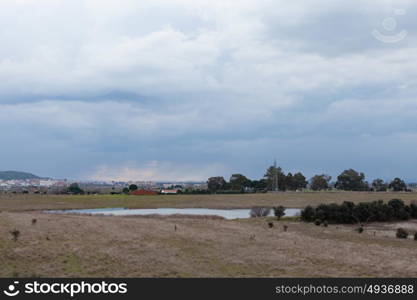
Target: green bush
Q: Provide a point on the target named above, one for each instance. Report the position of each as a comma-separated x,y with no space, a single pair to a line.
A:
279,212
350,213
75,189
413,211
399,211
308,214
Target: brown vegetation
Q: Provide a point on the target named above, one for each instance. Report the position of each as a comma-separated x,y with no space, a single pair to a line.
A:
179,246
74,245
287,199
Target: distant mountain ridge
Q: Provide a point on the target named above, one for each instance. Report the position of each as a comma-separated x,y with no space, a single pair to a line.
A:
16,175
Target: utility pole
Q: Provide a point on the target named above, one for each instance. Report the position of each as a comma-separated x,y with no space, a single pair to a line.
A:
275,184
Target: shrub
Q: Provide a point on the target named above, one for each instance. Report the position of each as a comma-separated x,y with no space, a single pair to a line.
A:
308,214
413,210
279,212
362,212
415,236
402,233
346,213
398,209
257,212
317,222
133,187
360,229
325,224
75,189
15,234
349,213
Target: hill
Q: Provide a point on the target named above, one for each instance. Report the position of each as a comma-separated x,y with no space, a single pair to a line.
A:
13,175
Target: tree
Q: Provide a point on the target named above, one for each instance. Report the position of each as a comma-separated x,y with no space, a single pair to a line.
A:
270,177
350,180
398,210
125,190
364,212
239,182
379,185
133,187
398,185
216,183
320,182
75,189
289,182
308,214
258,185
300,181
279,212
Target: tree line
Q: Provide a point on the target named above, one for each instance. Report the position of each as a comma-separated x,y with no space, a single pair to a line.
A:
349,212
348,180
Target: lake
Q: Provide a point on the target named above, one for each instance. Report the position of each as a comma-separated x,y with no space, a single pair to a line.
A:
120,211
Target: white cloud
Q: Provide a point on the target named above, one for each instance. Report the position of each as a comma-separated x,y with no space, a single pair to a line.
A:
60,47
156,171
206,72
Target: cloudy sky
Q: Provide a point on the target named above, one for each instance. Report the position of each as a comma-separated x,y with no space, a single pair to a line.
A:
187,89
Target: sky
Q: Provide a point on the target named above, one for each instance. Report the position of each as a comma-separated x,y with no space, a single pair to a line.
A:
187,89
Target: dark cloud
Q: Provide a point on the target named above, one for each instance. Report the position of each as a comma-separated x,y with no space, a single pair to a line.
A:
192,89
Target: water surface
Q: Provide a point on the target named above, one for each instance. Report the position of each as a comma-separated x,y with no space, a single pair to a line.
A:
225,213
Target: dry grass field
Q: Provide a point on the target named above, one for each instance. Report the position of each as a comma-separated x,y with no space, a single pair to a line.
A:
97,246
288,199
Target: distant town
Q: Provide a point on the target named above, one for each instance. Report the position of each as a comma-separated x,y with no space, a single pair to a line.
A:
274,180
61,186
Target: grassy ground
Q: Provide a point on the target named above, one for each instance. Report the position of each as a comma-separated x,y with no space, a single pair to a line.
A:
287,199
71,246
97,246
